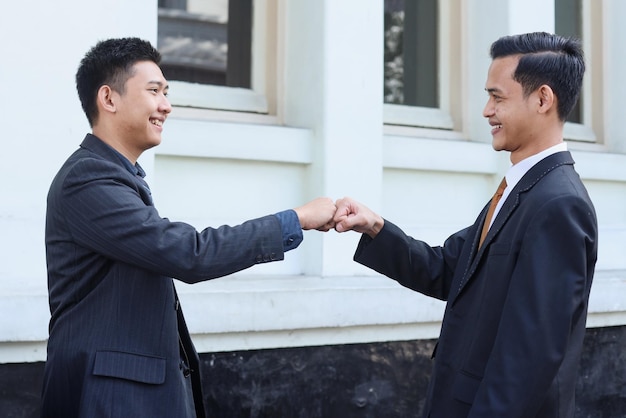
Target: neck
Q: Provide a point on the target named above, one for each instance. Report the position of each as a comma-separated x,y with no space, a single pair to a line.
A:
114,141
541,140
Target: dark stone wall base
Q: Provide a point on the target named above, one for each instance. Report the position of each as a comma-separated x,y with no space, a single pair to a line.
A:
377,380
360,380
601,386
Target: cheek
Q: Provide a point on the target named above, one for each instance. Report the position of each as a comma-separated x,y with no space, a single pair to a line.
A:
503,114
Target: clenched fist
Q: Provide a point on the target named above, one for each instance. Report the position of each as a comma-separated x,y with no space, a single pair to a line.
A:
317,214
354,216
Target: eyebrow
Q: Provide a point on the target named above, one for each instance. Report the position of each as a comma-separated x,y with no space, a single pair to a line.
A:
493,90
160,84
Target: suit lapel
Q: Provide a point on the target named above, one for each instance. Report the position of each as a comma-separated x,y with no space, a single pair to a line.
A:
527,182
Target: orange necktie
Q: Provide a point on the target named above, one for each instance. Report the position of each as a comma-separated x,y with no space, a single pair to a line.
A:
492,207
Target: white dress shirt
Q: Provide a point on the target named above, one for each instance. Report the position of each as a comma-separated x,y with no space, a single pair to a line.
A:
517,171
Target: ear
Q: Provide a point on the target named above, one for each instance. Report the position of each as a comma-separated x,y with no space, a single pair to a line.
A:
546,99
106,100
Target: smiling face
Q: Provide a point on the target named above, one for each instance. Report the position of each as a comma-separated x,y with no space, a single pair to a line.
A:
511,115
141,109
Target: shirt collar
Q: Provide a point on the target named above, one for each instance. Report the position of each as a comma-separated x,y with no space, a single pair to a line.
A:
135,170
517,171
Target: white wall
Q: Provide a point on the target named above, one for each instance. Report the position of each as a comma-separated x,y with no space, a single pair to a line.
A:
328,138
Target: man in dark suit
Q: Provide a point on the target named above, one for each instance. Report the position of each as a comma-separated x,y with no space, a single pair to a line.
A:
118,344
516,306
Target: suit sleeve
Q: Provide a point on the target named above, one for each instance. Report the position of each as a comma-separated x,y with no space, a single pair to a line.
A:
545,304
105,212
412,263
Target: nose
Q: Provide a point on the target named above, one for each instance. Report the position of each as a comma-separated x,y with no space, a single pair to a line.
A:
488,110
165,106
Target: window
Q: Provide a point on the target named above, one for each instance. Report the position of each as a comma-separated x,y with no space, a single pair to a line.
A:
568,22
411,52
579,18
413,64
206,42
215,52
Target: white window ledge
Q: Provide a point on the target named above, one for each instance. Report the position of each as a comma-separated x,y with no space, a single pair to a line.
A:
216,97
417,116
209,139
255,312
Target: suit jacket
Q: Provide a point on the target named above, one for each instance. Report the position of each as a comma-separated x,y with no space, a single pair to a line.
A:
516,308
118,344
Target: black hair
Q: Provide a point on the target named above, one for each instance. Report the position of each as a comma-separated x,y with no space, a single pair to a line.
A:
110,62
548,59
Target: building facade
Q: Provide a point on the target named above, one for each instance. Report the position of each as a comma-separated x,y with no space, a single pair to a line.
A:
277,102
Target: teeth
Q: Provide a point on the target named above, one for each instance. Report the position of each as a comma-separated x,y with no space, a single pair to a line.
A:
156,122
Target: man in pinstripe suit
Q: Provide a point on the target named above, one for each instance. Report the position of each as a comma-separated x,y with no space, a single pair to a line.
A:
118,344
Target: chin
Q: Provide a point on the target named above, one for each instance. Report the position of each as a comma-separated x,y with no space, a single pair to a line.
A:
155,142
498,145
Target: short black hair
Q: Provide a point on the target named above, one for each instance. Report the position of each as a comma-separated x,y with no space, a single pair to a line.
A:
110,62
549,59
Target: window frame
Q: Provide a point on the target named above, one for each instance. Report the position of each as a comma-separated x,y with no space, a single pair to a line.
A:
430,117
261,96
590,102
